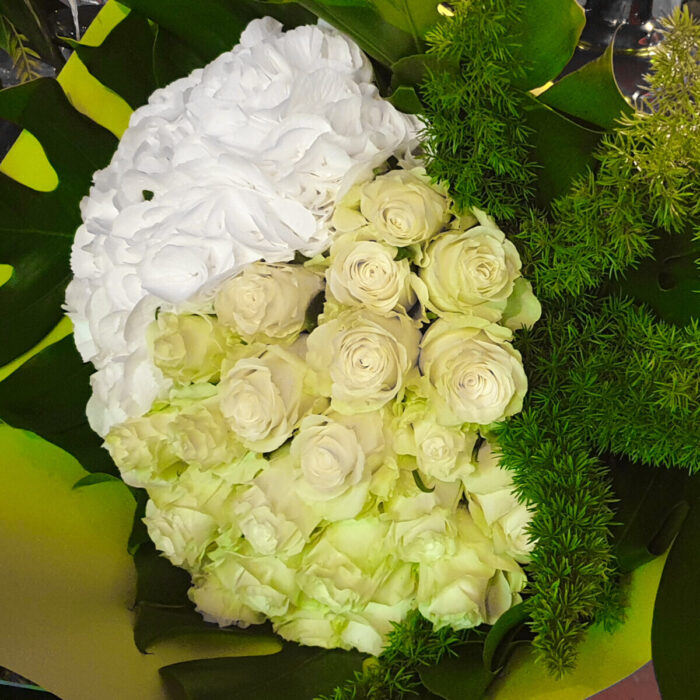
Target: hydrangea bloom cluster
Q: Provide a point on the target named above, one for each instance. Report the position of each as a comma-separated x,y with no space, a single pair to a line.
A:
238,162
320,460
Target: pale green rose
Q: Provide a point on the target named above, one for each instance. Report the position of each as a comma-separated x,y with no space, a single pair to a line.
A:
403,206
267,301
236,588
474,374
441,452
465,588
347,215
362,359
180,532
367,629
267,530
364,273
427,538
187,347
141,448
495,507
263,397
349,565
471,272
311,624
409,502
199,434
523,309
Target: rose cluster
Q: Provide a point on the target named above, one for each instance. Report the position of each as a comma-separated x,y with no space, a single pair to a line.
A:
323,458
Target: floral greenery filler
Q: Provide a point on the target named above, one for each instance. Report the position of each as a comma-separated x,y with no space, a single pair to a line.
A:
602,203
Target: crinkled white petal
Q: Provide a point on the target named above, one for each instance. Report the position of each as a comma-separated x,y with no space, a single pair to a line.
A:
240,161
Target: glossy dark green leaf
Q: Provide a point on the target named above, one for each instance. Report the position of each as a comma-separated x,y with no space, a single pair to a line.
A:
562,148
123,62
17,691
652,505
383,41
294,673
669,282
510,629
155,623
172,58
139,532
547,33
96,478
406,100
459,677
590,93
47,395
675,630
158,581
29,18
37,228
415,17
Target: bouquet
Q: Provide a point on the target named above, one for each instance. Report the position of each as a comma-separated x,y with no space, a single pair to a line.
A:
313,324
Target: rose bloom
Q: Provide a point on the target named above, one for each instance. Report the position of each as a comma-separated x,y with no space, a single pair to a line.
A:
364,273
403,207
187,348
471,271
362,358
474,373
267,302
262,397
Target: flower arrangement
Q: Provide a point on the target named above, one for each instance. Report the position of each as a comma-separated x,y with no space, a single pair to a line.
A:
356,372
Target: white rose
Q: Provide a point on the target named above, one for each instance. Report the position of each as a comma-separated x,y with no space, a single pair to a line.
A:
475,374
367,630
180,532
340,570
311,624
239,589
141,448
187,348
364,273
263,399
427,538
495,507
362,359
471,271
267,302
403,207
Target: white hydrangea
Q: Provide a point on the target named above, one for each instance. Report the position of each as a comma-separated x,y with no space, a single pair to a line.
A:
240,161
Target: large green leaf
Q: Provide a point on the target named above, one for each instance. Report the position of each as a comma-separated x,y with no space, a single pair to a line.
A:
590,93
675,631
29,17
123,62
295,673
546,33
459,677
668,282
509,631
47,395
172,58
37,228
562,148
651,508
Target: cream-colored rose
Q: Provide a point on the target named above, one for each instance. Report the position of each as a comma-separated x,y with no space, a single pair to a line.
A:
241,588
199,434
364,273
427,538
362,358
267,302
475,374
262,397
471,271
470,586
187,347
523,309
311,624
350,565
495,507
403,207
180,532
141,448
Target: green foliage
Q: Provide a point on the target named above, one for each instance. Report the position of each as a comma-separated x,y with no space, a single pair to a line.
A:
24,58
475,135
412,646
29,19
